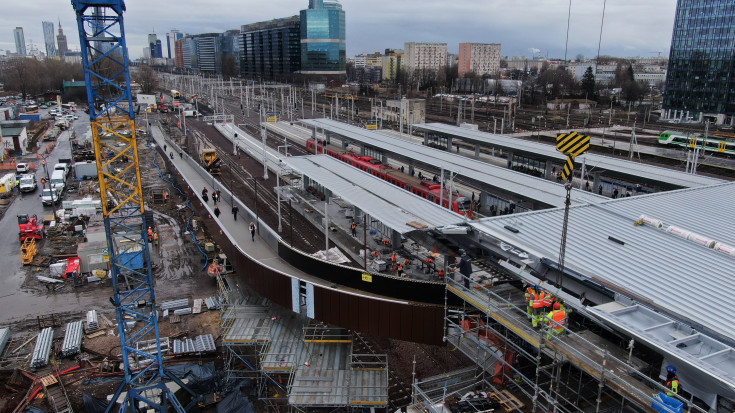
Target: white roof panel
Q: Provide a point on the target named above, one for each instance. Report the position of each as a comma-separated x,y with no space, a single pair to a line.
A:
620,166
523,185
679,276
392,205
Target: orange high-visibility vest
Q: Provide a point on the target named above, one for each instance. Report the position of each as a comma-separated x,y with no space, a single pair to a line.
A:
539,300
560,320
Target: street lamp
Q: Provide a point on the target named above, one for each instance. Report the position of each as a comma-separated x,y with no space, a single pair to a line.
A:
51,188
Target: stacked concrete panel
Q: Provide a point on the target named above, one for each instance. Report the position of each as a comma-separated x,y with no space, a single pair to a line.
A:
43,348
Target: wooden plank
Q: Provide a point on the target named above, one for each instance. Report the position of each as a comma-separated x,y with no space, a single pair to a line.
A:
49,380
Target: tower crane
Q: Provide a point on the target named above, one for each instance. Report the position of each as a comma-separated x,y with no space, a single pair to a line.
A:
112,119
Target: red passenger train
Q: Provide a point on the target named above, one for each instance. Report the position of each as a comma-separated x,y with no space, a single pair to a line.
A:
421,187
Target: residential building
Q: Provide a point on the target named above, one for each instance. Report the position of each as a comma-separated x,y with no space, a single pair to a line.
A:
61,41
271,49
20,41
323,46
368,75
171,38
700,77
391,65
431,56
360,60
479,58
48,39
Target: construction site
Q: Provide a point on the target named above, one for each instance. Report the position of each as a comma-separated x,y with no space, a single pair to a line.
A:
337,286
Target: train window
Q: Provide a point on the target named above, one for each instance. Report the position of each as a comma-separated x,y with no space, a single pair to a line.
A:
681,140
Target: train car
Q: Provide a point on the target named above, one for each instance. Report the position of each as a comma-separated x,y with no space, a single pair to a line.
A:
422,187
684,140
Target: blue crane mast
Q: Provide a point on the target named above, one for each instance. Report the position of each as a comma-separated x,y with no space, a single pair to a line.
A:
112,118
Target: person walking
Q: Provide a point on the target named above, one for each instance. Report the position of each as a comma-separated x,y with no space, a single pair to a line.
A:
205,197
214,197
615,193
216,211
353,227
155,239
164,147
252,231
235,210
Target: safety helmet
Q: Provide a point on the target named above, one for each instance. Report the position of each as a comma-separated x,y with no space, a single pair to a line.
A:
671,369
557,306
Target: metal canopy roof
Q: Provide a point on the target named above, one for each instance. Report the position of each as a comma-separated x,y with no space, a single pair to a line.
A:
394,206
619,166
523,185
680,277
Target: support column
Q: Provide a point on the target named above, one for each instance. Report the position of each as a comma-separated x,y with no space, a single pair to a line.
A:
510,159
483,201
357,215
596,182
477,151
383,158
547,170
326,137
426,138
395,240
449,143
410,168
362,149
345,144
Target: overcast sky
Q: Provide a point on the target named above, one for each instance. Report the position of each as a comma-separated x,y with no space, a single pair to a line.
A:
631,27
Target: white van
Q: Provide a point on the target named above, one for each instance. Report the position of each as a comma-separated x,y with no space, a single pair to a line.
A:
58,180
62,167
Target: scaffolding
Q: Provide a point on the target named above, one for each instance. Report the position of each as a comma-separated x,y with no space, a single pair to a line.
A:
571,372
285,353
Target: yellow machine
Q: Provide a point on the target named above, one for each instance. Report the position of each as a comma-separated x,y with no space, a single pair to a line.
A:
210,160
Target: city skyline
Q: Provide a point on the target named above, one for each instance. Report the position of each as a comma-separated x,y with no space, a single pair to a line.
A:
522,27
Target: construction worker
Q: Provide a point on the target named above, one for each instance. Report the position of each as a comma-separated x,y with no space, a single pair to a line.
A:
406,262
672,381
441,274
353,228
400,270
557,321
538,305
155,238
393,259
530,294
150,234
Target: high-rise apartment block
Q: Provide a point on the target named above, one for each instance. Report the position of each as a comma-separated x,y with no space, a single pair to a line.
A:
478,58
701,78
323,47
420,56
20,41
49,39
271,49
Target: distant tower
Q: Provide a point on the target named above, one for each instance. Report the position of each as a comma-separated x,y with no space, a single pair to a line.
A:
171,38
61,41
20,41
48,38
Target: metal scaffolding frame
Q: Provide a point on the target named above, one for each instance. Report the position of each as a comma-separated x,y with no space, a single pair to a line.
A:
554,373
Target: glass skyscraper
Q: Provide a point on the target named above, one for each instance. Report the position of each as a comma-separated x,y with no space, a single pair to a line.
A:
323,49
700,82
271,49
49,38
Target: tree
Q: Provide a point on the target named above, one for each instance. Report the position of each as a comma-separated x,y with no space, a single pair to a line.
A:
588,83
229,66
146,78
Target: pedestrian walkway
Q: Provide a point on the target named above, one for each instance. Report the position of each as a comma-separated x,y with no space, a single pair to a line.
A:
261,249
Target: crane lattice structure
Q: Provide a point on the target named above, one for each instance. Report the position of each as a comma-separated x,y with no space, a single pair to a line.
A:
112,117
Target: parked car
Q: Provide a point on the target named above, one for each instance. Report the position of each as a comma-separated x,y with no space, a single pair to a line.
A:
28,183
22,168
46,196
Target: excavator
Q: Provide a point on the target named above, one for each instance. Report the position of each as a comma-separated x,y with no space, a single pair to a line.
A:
210,160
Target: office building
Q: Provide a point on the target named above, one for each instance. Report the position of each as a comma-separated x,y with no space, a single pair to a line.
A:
48,39
61,42
479,58
323,47
20,41
171,38
179,59
430,56
270,49
700,77
208,52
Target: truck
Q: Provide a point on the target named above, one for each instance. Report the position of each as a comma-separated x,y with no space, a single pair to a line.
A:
63,124
210,160
28,183
191,113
